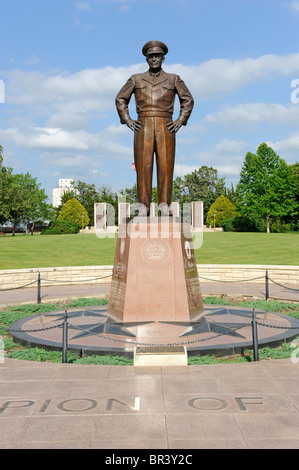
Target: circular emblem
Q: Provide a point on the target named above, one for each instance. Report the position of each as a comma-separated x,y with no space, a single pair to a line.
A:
155,251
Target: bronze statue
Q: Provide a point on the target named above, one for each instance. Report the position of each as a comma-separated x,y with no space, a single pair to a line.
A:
154,129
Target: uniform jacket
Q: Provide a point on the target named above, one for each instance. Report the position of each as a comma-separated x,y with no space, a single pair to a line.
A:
154,98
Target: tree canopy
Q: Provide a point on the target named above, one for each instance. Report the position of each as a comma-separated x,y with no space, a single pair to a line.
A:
21,198
223,209
73,211
200,185
266,189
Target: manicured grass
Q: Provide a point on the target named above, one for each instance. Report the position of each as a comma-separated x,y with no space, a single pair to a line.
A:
43,251
249,248
16,351
26,251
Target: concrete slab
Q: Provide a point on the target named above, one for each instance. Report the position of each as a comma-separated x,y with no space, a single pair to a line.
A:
160,356
223,406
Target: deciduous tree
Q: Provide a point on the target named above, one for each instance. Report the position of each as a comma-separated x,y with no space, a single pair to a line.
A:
266,189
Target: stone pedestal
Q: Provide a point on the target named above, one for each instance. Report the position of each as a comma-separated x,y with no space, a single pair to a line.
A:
155,274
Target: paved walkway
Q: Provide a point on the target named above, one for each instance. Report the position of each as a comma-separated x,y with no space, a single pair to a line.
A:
228,406
207,288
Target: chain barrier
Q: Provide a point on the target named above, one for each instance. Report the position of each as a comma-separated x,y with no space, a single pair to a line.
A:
224,280
32,331
78,280
56,280
64,326
21,287
39,280
285,287
277,326
135,343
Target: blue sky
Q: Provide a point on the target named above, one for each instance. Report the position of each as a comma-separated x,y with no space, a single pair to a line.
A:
63,62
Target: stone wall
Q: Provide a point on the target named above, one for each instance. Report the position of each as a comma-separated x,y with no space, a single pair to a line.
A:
15,278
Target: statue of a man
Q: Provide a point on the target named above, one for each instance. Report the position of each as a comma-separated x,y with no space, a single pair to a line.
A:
155,92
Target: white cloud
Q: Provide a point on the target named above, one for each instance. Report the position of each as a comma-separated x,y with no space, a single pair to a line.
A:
231,147
255,113
182,170
56,112
294,5
287,146
219,77
82,5
58,139
32,61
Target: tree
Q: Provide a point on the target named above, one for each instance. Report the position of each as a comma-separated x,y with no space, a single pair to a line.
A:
295,170
200,185
130,194
5,190
232,195
266,189
223,209
88,195
73,211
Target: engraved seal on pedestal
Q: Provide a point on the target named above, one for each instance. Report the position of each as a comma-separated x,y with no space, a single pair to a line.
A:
155,251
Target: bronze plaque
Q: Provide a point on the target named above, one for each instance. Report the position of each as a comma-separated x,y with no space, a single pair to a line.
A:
161,350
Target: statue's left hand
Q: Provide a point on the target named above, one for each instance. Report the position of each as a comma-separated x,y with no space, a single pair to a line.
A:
174,126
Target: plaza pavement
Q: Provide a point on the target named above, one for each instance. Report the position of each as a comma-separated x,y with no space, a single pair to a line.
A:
224,406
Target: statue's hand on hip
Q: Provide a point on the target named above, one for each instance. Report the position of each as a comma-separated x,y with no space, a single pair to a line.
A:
135,126
174,126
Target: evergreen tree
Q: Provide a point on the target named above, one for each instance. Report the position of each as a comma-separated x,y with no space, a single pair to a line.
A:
73,211
223,209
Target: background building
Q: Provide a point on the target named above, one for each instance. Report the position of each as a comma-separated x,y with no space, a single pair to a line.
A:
64,186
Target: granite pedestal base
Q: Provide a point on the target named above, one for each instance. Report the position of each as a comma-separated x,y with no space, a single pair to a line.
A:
155,274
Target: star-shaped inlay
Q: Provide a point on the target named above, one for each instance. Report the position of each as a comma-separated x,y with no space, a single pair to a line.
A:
203,325
105,324
226,311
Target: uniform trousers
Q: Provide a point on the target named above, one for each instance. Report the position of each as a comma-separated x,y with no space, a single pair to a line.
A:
154,139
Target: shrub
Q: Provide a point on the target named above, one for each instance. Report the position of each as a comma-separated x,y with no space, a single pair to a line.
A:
72,211
58,227
223,209
242,224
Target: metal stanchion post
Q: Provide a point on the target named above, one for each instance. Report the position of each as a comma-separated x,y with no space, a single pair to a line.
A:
254,337
64,339
38,289
267,285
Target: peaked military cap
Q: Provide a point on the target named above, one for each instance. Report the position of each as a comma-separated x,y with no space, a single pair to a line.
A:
154,46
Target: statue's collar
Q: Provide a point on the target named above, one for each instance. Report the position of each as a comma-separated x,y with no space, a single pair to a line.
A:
148,77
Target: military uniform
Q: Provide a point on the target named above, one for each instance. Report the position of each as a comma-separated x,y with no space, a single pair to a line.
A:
154,98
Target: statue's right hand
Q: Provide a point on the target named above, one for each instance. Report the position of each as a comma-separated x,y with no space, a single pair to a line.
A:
135,126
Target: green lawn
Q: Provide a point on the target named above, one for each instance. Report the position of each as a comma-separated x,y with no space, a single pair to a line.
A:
26,251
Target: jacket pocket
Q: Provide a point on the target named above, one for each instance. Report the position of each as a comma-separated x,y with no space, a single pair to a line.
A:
168,93
141,93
